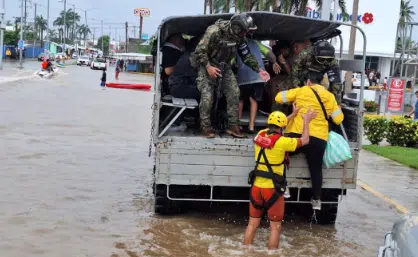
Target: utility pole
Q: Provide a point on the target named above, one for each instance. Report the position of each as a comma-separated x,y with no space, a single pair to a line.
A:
47,24
102,39
126,37
2,13
351,47
34,36
65,24
94,33
141,20
21,37
26,14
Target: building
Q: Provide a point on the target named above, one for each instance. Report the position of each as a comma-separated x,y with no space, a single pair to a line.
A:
379,20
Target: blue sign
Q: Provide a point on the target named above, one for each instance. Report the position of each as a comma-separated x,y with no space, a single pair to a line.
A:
46,46
144,36
20,44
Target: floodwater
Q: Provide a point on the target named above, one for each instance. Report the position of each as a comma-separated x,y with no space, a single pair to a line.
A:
76,181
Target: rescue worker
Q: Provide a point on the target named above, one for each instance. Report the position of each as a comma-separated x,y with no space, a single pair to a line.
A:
220,43
315,96
267,178
321,57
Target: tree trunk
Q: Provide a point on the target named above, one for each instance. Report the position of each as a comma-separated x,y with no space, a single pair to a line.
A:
211,6
42,38
205,4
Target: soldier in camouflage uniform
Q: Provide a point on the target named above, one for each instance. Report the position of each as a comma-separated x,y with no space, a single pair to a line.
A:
320,57
221,43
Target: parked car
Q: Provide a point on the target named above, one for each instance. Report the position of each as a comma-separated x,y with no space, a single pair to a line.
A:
402,241
357,81
83,60
98,64
41,57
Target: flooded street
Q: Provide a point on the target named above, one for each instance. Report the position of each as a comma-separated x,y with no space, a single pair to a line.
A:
77,181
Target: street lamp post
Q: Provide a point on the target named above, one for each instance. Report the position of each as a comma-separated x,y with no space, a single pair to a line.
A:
102,39
2,28
65,24
21,38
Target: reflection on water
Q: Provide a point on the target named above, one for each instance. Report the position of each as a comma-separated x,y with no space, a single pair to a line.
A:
76,181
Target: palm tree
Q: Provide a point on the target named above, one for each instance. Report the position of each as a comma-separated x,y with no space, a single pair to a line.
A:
9,23
59,22
72,20
84,30
405,16
41,25
296,7
52,33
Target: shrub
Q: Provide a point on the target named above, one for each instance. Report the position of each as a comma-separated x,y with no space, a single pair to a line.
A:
402,132
370,106
375,129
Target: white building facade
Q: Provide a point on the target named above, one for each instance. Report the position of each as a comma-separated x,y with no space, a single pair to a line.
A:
379,20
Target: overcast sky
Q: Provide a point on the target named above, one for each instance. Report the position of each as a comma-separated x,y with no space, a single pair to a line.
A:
116,12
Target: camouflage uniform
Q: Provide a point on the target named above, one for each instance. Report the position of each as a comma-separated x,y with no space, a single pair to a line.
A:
306,59
211,50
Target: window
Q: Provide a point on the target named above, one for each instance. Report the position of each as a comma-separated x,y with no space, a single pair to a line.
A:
372,62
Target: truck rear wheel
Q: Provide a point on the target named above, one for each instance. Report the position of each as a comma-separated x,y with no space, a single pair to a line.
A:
163,205
328,214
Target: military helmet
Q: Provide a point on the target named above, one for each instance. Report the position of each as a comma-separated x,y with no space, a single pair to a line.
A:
240,23
277,118
323,49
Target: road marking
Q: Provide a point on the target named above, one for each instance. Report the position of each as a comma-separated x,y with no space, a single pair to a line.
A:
387,199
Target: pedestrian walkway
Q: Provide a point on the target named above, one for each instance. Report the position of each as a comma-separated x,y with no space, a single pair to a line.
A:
390,178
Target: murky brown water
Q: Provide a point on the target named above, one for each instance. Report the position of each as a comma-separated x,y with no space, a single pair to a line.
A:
76,181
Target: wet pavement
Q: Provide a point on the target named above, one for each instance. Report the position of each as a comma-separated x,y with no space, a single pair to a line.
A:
76,181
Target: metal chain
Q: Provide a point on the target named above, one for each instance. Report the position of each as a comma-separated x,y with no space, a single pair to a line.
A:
153,108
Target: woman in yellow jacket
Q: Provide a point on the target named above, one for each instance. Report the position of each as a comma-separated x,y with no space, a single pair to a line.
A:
304,98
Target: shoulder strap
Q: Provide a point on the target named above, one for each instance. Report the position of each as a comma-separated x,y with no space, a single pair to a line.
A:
320,103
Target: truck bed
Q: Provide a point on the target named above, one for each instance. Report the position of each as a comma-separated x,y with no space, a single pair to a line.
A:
186,158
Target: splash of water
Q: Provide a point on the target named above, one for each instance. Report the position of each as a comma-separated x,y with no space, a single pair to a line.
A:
313,219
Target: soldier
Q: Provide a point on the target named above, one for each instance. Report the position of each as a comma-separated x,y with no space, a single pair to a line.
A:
320,57
221,42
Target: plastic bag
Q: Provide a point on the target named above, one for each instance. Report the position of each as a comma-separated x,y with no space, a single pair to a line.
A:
337,151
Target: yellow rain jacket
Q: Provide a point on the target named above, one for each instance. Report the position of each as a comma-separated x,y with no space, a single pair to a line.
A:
305,98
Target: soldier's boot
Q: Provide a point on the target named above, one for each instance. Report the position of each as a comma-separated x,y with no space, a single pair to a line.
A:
208,132
234,131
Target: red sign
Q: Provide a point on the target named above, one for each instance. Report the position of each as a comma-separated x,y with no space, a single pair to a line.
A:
396,95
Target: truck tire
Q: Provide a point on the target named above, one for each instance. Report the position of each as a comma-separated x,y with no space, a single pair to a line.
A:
328,214
163,205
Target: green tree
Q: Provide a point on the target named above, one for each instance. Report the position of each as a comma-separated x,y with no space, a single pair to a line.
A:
11,37
106,44
41,25
70,20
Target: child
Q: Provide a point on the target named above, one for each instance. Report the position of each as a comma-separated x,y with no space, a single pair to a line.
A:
117,72
103,79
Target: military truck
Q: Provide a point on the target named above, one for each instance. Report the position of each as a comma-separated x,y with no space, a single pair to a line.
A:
189,167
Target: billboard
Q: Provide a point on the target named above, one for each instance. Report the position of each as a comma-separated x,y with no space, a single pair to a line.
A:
378,19
144,12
